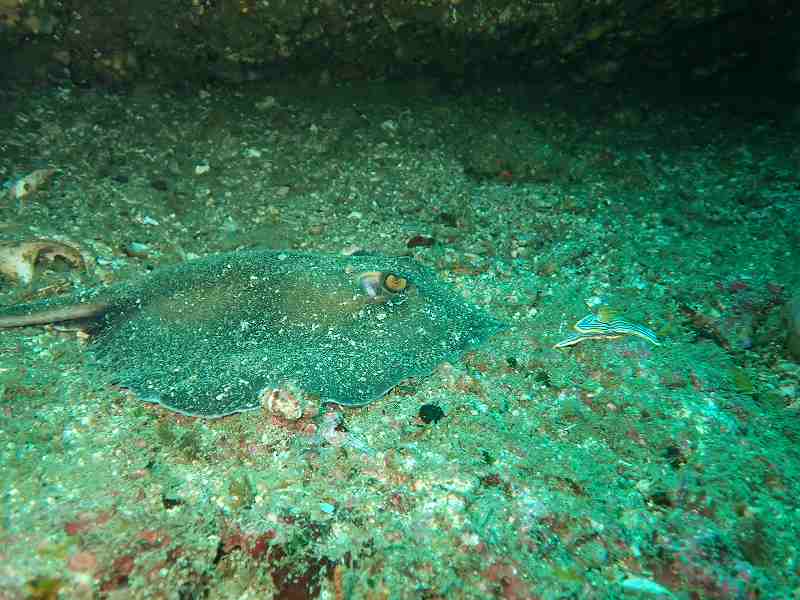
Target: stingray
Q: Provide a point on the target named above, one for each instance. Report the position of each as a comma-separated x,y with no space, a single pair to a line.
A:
208,336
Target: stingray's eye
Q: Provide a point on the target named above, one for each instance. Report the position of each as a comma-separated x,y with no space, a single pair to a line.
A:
379,285
394,283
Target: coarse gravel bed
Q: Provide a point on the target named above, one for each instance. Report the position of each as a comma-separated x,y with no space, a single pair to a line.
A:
609,468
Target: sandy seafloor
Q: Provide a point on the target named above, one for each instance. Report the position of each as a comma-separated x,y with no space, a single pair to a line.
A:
611,469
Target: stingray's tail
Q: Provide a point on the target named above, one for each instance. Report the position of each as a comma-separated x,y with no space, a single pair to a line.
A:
50,311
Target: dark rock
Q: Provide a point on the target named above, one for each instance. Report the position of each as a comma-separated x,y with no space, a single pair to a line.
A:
118,42
420,241
430,413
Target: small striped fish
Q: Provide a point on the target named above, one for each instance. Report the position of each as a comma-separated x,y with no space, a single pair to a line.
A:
592,328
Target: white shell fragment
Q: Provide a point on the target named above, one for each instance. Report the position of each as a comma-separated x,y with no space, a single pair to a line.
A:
18,259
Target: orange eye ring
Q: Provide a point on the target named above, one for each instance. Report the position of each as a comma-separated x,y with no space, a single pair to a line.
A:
394,283
379,285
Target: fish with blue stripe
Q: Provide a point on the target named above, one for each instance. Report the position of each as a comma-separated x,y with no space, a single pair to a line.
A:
592,327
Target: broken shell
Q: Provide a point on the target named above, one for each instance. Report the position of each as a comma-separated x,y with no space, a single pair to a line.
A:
288,401
18,259
29,184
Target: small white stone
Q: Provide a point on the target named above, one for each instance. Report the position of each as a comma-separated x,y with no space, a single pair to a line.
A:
267,103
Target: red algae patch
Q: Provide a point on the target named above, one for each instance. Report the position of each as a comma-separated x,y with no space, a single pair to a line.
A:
82,562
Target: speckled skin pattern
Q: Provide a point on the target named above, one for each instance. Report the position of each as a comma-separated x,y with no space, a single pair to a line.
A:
207,336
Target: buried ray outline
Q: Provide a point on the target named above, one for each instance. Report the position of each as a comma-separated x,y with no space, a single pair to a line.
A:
207,337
